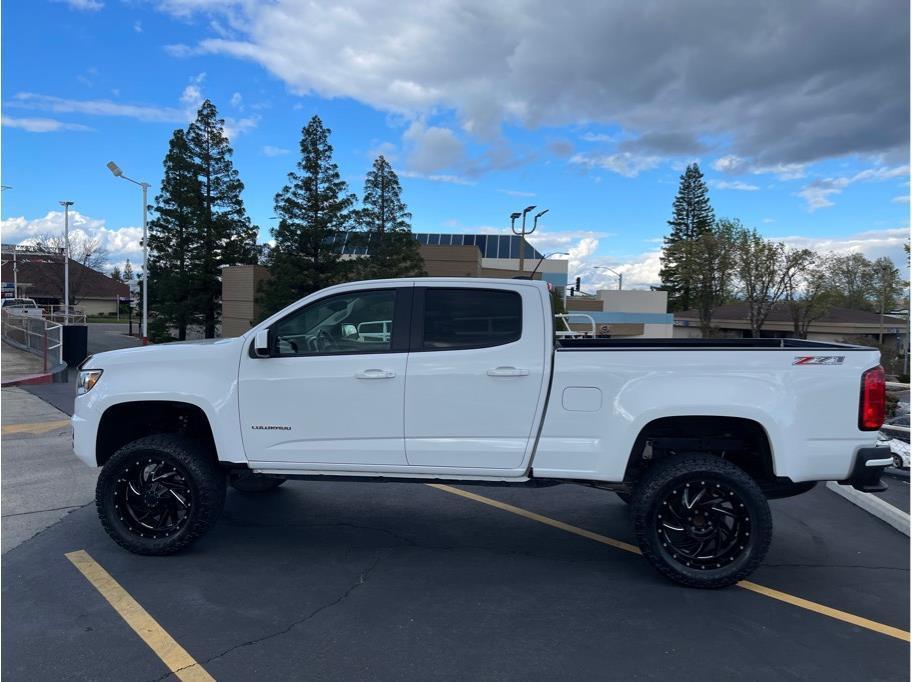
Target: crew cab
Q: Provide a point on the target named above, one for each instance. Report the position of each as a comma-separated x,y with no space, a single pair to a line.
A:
465,380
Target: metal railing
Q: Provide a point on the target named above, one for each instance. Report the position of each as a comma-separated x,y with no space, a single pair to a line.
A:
568,332
896,386
36,335
63,315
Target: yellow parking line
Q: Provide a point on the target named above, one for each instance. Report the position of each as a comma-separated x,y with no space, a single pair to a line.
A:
747,585
35,427
165,647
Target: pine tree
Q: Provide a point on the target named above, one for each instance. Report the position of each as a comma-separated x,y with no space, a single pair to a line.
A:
315,216
386,222
693,217
115,274
224,234
175,255
128,272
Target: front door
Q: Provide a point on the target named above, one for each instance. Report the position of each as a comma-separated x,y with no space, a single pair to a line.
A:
475,377
332,391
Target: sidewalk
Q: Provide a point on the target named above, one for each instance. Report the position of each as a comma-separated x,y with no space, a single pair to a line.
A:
42,479
19,366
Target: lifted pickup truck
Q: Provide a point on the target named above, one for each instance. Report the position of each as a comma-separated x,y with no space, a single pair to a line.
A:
464,380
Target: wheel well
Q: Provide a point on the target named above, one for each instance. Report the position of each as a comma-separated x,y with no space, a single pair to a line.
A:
741,441
124,423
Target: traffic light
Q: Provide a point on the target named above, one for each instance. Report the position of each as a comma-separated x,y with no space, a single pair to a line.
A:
577,283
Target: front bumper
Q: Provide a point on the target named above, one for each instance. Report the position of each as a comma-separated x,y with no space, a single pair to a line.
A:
868,467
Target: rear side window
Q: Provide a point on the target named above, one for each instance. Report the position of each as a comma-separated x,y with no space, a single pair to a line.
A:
470,318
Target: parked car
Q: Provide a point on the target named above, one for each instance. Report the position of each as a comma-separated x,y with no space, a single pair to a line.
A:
471,385
21,306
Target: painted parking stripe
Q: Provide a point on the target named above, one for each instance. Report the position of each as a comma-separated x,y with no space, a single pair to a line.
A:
627,547
154,635
35,427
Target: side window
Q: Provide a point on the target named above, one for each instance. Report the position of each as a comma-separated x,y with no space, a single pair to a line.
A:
359,322
470,318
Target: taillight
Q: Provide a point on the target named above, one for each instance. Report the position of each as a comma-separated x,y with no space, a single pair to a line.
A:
873,407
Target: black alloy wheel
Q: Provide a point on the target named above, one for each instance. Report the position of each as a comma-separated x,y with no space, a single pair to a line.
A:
159,494
700,520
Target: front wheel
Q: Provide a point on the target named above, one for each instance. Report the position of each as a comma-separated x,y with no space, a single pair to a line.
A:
701,521
159,494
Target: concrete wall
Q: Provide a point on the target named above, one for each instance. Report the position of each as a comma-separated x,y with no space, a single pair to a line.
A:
97,306
239,290
633,301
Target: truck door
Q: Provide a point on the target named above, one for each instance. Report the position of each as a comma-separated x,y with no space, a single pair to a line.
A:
474,386
332,391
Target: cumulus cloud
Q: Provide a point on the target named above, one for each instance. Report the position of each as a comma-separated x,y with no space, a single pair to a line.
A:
121,243
41,125
783,82
431,148
873,244
83,5
819,193
736,184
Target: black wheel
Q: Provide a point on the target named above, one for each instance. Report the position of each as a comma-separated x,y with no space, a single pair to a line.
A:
248,482
159,494
624,497
701,521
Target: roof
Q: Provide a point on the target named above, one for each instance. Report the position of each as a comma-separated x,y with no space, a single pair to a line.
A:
490,245
780,313
45,275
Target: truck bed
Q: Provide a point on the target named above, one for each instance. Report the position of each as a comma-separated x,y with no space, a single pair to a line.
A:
703,344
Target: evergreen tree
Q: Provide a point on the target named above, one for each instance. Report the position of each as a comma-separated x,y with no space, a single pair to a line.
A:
128,272
176,260
384,217
693,217
315,216
223,233
115,274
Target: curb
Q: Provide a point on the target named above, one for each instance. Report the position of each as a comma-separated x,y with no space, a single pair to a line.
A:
42,378
873,505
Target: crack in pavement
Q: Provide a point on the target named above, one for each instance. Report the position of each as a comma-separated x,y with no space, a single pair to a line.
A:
362,579
39,511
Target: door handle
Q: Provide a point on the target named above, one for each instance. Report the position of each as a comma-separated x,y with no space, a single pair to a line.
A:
375,374
508,372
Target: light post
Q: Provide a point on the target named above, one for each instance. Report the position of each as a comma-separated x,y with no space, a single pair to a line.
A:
66,260
521,234
613,272
115,169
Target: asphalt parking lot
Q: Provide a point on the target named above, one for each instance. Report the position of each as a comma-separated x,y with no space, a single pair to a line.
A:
407,581
391,581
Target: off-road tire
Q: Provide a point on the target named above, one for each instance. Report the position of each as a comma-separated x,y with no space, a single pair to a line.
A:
206,482
666,478
247,482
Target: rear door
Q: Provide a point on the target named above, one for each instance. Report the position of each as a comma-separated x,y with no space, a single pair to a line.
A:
476,376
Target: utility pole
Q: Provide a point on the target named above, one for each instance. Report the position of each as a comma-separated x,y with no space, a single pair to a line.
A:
66,260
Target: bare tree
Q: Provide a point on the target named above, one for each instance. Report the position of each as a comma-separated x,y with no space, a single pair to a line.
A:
764,270
808,293
714,258
84,250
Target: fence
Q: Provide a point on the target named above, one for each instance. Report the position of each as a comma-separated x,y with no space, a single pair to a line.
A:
35,335
60,314
894,386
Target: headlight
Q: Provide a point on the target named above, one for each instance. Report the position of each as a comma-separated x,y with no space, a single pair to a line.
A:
87,379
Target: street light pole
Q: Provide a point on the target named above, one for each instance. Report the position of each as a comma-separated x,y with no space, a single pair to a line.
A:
115,169
617,274
66,260
522,235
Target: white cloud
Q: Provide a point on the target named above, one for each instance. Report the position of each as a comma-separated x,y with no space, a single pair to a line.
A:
137,26
436,177
83,5
597,137
237,101
431,149
730,163
516,193
234,127
121,243
623,163
269,150
735,184
901,199
96,107
818,193
873,244
736,165
42,125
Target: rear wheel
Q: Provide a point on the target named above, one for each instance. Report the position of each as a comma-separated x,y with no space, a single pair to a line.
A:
248,482
159,494
701,521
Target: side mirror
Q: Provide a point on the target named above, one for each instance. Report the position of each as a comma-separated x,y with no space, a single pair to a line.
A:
261,344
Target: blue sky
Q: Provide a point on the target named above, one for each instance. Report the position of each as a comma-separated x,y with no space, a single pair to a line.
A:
797,116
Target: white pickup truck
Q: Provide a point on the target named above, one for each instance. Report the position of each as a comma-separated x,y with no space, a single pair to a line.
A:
464,380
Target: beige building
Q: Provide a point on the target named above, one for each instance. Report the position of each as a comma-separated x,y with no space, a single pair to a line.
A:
622,313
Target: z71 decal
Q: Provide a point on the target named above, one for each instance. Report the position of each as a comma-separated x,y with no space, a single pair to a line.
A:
818,359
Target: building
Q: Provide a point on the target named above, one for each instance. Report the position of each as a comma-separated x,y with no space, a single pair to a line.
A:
622,313
40,276
444,255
